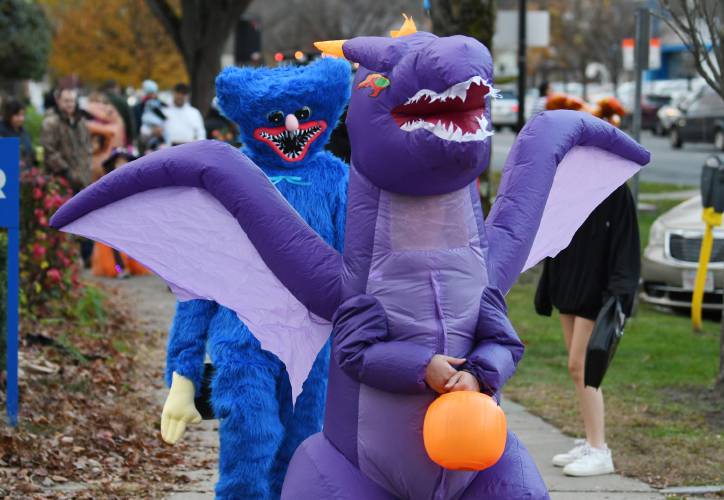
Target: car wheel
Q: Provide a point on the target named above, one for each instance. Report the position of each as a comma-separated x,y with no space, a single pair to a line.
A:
675,138
719,140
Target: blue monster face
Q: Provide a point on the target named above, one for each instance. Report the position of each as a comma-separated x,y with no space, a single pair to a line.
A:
285,114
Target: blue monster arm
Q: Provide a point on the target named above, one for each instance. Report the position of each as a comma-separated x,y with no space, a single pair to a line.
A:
498,349
187,340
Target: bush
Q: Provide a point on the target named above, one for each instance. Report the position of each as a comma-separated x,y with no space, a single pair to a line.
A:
48,259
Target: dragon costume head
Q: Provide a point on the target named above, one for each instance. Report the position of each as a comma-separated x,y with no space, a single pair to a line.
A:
285,114
427,99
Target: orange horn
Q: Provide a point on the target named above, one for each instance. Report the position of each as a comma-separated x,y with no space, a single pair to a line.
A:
331,47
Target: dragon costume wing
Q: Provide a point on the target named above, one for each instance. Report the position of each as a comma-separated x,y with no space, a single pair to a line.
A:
561,167
204,218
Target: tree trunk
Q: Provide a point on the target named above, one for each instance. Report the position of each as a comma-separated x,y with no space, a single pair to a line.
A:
203,77
200,33
475,18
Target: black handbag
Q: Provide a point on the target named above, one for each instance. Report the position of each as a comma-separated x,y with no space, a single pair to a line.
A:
607,333
203,399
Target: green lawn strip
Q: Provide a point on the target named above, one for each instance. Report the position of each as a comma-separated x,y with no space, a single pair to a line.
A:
659,187
663,422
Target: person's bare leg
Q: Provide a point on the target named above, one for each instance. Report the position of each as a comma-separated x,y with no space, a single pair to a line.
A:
590,399
567,326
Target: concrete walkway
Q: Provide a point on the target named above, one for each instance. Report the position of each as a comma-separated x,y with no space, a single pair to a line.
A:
543,441
155,306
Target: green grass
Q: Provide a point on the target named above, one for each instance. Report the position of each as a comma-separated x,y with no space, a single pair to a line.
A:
662,417
658,187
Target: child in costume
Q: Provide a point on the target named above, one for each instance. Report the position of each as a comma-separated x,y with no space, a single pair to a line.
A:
422,279
107,261
286,116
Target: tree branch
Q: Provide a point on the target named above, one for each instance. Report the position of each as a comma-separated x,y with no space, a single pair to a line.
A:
169,20
684,22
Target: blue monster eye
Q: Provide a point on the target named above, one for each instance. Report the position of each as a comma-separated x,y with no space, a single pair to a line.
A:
303,113
275,117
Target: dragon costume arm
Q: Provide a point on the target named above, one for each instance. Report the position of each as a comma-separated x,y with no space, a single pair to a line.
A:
363,353
498,348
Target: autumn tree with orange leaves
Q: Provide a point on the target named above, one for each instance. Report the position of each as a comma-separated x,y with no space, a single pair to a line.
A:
111,40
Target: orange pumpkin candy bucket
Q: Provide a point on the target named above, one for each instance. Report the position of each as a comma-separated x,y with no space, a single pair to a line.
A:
464,430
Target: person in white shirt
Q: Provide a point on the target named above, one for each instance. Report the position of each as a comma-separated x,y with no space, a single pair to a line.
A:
184,123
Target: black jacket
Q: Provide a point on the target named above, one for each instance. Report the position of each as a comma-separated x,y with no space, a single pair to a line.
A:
603,259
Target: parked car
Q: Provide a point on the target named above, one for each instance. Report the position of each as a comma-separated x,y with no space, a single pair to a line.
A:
703,121
650,105
505,110
666,117
671,259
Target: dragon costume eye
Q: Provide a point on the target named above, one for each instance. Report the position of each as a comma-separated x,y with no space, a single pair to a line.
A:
303,113
376,82
276,117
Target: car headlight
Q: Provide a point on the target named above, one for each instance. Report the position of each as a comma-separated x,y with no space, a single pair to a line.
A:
657,233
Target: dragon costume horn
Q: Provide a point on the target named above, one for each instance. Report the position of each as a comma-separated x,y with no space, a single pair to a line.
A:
408,28
331,47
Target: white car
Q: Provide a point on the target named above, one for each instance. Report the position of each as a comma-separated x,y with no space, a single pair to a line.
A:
505,110
671,259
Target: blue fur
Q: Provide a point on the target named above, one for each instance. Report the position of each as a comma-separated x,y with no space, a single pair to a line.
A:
260,430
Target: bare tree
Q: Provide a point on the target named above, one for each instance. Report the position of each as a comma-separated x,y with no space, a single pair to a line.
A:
700,25
200,30
586,32
475,18
296,24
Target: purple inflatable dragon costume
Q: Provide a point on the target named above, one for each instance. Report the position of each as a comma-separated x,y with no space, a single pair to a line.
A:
422,273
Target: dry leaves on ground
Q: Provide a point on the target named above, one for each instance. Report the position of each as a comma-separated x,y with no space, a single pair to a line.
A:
89,411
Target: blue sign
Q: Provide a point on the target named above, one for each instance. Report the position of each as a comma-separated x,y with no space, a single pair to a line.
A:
9,219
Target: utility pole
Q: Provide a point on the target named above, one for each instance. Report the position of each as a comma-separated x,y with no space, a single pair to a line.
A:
641,62
522,66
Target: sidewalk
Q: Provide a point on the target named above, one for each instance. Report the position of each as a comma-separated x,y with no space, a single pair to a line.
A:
543,441
156,305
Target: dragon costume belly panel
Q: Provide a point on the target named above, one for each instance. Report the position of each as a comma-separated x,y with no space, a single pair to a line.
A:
426,272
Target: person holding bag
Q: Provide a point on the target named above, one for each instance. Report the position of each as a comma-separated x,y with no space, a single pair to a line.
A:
601,266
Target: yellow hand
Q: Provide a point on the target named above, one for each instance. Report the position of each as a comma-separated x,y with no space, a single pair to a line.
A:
179,409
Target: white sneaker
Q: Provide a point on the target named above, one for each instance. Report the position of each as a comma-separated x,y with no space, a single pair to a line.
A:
595,462
578,450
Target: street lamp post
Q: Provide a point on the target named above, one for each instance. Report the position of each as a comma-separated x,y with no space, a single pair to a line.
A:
522,66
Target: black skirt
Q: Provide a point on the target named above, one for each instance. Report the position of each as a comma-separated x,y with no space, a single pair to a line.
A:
602,260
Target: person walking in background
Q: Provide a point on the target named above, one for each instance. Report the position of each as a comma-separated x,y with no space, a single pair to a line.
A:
107,261
107,131
114,95
602,261
150,92
66,141
12,125
67,149
184,123
544,90
219,127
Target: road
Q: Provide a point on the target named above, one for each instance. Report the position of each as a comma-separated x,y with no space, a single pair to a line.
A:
680,167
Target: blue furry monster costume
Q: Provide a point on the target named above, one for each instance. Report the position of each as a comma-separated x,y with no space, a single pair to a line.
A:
286,116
